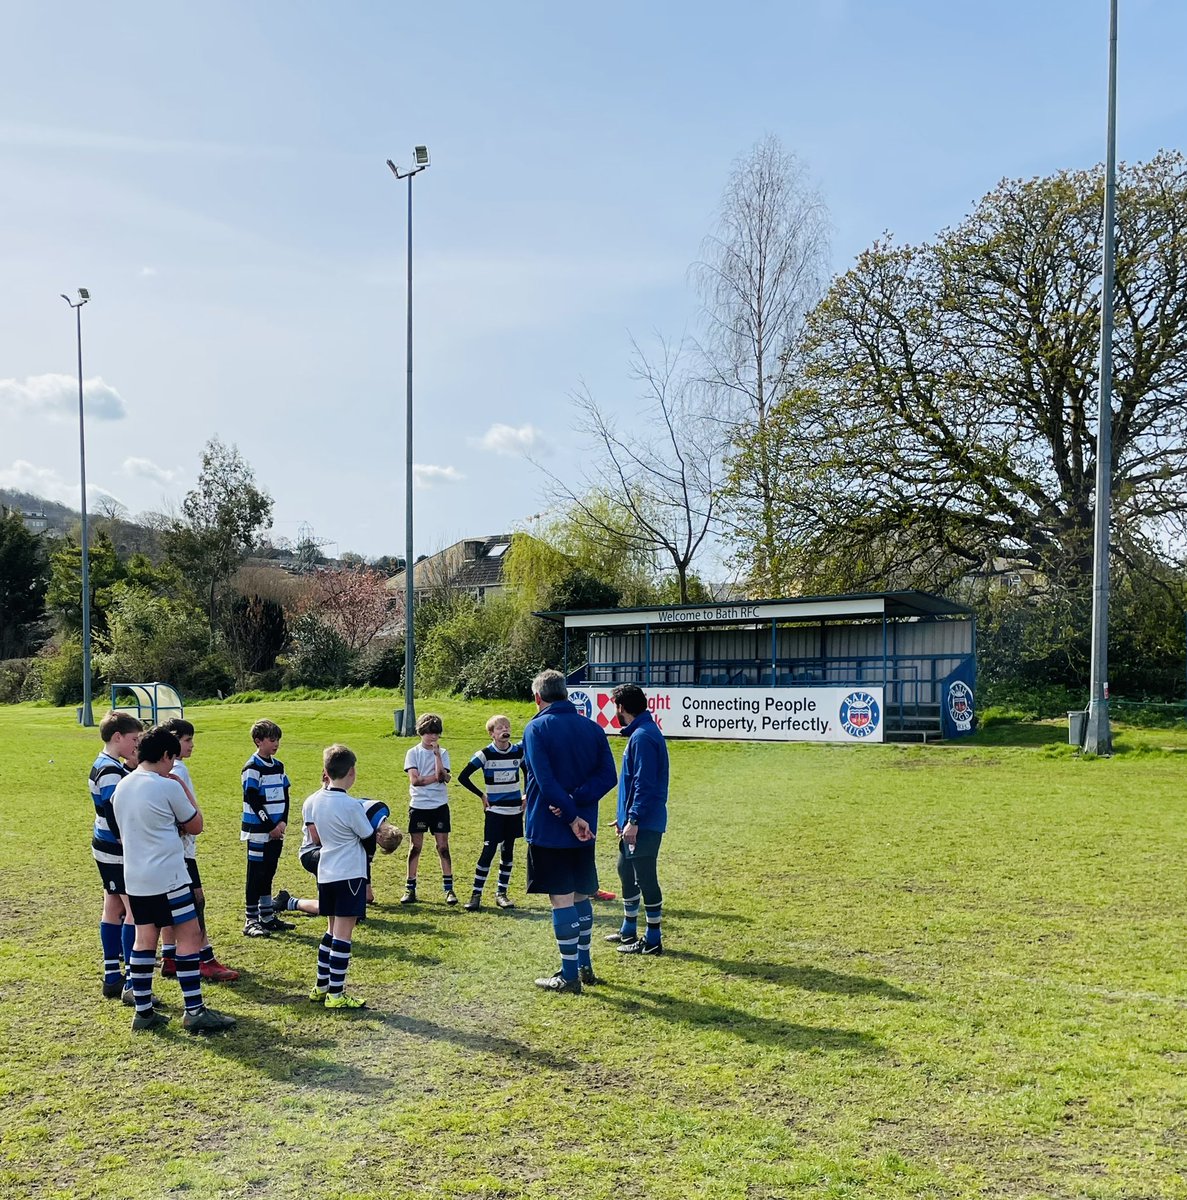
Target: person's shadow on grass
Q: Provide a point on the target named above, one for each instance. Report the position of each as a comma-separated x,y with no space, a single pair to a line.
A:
253,1044
763,1030
810,979
480,1042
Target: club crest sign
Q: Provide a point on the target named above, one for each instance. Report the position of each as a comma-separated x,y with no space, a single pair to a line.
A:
860,714
581,702
960,705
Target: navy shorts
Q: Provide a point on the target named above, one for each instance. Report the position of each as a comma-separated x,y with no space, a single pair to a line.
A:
170,908
502,827
191,865
112,875
557,870
342,898
309,859
429,820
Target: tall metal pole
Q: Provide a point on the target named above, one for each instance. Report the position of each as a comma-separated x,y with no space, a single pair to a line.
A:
420,156
87,716
1098,738
409,582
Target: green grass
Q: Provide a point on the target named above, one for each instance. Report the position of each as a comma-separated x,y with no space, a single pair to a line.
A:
952,971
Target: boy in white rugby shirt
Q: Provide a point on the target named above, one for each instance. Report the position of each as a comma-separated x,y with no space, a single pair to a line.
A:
209,966
337,823
150,809
427,766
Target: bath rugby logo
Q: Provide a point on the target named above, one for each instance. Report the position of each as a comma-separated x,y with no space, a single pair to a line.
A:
960,705
581,702
859,714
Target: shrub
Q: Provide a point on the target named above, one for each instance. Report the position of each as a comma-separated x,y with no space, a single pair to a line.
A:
61,674
13,673
153,637
380,665
504,672
319,656
31,687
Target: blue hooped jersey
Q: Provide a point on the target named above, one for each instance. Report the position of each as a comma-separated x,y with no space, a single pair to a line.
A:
265,798
106,772
501,774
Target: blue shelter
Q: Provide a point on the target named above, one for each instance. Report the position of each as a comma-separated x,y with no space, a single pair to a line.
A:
918,647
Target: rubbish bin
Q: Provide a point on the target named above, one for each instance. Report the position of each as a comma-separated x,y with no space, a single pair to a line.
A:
399,716
1077,726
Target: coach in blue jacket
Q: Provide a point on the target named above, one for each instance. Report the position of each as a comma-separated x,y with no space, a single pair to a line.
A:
569,769
641,820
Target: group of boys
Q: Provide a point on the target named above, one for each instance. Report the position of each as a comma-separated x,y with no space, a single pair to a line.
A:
147,820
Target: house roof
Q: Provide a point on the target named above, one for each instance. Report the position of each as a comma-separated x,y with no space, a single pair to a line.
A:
485,569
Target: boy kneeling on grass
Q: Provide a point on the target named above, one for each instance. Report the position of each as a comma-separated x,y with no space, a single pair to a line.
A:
337,823
151,809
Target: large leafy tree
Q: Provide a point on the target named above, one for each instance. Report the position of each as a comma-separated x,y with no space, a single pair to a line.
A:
943,418
23,580
220,522
64,595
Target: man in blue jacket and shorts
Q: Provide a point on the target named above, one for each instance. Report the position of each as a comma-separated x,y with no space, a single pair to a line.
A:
569,769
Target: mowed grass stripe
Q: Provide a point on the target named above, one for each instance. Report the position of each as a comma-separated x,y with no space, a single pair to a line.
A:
891,971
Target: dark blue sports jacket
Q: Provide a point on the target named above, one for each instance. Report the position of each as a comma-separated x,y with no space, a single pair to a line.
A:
643,785
569,765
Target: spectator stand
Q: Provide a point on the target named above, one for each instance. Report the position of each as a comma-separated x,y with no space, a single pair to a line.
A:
918,647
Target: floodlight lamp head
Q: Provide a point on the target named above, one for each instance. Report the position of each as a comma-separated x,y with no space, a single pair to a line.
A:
421,155
393,168
84,294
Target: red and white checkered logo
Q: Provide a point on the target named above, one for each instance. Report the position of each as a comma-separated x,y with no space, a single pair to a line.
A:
604,714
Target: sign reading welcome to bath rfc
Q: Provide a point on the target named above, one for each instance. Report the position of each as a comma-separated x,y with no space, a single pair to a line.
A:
784,714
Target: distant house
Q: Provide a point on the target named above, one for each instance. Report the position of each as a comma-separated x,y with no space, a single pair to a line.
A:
473,566
36,522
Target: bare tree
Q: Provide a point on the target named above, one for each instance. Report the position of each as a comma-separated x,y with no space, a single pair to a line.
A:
760,274
661,482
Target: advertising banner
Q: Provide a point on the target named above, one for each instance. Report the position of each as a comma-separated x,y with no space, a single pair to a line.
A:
779,714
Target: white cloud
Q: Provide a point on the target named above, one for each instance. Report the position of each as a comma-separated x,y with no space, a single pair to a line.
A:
56,396
147,272
506,439
144,468
425,475
24,476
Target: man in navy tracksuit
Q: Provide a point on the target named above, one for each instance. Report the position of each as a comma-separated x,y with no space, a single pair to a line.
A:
641,820
569,769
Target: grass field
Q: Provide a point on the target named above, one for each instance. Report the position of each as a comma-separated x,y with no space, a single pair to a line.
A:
891,972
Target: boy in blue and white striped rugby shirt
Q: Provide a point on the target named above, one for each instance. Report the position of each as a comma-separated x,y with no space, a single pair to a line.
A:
501,764
117,932
265,817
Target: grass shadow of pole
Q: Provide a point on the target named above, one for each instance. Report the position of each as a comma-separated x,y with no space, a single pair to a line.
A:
810,979
766,1031
478,1041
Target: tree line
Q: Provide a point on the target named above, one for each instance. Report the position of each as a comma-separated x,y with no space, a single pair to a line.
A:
193,611
925,419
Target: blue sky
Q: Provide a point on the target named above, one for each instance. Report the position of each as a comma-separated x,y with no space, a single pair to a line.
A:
214,174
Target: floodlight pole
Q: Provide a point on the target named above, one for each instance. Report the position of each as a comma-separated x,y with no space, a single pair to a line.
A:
88,718
1097,736
409,582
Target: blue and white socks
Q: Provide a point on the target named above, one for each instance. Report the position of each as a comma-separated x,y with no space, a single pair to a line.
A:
567,926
